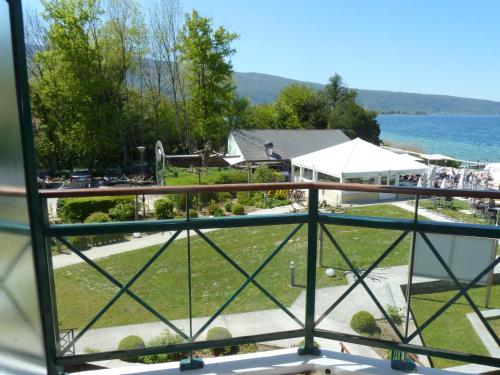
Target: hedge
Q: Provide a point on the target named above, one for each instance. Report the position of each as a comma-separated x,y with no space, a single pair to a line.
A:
101,239
76,210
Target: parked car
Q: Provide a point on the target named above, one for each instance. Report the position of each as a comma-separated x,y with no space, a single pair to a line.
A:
113,176
82,177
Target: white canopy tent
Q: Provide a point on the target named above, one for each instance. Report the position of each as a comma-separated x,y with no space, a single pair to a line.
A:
356,161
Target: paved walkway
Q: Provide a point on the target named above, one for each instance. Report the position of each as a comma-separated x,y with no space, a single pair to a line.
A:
422,212
384,284
63,260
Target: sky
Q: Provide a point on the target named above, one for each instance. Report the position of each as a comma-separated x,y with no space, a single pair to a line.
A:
449,47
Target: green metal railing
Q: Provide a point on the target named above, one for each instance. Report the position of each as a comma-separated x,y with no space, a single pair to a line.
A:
314,220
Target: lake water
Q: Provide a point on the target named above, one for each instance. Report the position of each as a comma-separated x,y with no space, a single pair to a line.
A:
463,137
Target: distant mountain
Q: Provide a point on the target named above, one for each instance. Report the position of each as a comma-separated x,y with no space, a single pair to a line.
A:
264,88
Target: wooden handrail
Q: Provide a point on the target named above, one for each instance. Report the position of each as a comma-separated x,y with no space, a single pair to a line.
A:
147,190
12,191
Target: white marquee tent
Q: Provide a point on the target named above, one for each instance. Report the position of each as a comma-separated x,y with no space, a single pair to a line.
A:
356,161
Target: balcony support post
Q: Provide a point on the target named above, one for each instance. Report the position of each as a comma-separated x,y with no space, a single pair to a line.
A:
312,254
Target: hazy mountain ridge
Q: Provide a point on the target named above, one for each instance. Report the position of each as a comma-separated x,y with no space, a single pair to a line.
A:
264,88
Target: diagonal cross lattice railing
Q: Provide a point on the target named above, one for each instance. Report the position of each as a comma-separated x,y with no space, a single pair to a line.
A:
360,279
249,279
124,288
307,328
462,293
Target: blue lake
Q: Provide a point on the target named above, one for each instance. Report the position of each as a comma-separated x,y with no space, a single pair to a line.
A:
463,137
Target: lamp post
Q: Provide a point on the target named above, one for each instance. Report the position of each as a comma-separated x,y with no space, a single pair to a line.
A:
292,274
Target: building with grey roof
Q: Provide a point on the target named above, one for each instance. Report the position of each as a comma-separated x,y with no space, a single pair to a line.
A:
278,146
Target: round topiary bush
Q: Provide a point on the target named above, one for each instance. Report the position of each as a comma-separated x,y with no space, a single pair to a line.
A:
219,333
131,342
364,322
238,209
164,209
97,217
122,212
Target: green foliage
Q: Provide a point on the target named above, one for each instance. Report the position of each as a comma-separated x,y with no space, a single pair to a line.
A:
347,115
220,333
265,174
164,209
238,209
193,213
101,239
76,210
131,342
214,209
364,322
228,206
165,339
205,53
122,212
244,198
300,107
395,314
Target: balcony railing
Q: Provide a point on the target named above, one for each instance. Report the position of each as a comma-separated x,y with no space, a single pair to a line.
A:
308,321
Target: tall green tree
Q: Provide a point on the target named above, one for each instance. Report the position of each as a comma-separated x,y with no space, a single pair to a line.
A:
345,114
206,54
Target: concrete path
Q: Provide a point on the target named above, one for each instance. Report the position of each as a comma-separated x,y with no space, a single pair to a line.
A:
384,284
98,252
423,212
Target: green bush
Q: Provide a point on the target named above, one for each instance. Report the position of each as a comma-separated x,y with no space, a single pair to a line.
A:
101,239
164,209
238,209
76,210
181,201
165,339
364,322
245,199
80,242
220,333
214,209
265,174
122,212
236,177
193,213
225,196
228,206
131,342
395,314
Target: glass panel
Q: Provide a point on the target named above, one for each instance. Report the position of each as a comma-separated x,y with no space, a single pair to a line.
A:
21,349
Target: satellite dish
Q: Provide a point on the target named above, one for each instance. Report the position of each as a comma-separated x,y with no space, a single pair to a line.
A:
160,163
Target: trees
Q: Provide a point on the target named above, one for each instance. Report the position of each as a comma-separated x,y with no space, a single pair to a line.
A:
206,54
345,114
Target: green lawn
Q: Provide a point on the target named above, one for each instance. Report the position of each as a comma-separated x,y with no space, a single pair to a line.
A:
454,212
183,176
165,285
452,330
495,324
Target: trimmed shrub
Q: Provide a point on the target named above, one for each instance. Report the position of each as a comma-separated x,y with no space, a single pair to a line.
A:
225,196
80,242
181,201
220,333
236,177
238,209
364,322
102,239
122,212
164,209
131,342
164,339
76,210
193,213
228,206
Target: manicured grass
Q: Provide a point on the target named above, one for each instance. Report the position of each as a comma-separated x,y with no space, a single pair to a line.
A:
183,176
495,324
454,212
452,330
81,292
